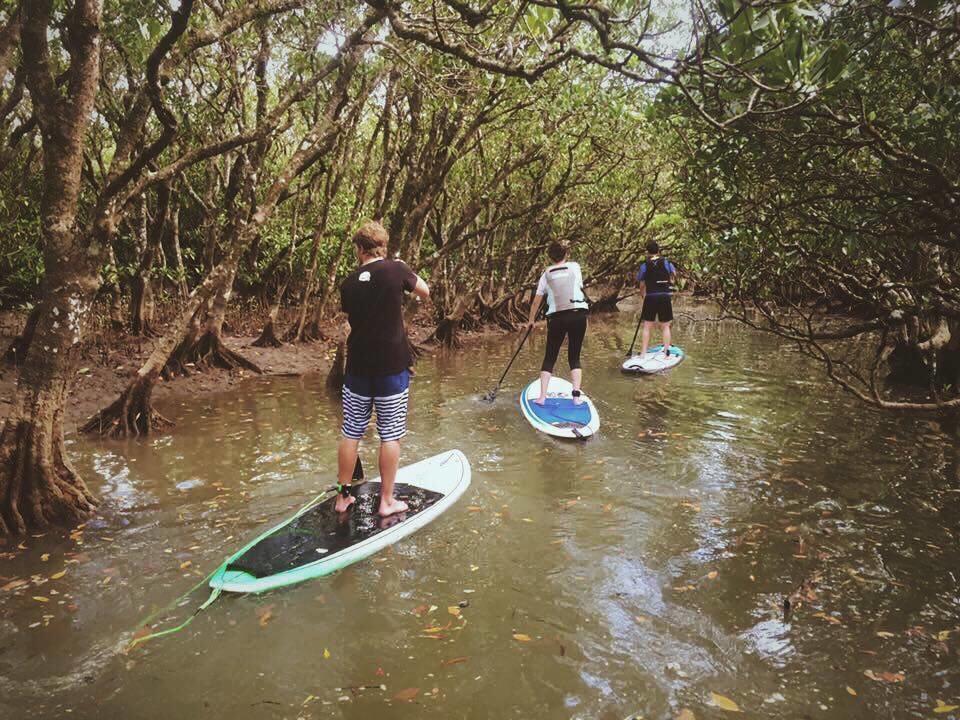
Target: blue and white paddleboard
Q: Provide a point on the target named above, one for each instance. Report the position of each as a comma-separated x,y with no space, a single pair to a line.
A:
560,416
654,361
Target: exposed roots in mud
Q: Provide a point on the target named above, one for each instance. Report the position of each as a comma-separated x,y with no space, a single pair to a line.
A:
38,486
131,414
268,336
208,350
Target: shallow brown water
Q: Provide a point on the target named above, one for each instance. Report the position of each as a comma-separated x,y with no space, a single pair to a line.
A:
634,574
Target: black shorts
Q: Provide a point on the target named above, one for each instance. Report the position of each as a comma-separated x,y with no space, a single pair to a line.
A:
657,308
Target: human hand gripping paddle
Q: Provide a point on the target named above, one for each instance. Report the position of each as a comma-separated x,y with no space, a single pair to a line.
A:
490,396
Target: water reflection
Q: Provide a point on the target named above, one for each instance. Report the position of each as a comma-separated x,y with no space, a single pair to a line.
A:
634,573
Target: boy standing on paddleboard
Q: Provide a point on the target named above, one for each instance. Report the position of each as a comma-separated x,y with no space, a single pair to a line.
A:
378,361
656,277
562,284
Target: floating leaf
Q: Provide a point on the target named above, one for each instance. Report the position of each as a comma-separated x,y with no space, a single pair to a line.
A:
712,575
685,714
13,585
454,610
829,618
185,564
885,677
942,707
455,661
851,691
265,615
724,703
522,637
885,634
407,695
326,654
41,598
57,576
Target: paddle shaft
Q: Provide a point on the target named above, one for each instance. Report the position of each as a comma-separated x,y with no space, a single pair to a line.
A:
635,333
510,364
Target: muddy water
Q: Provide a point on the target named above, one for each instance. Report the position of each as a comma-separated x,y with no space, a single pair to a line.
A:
636,574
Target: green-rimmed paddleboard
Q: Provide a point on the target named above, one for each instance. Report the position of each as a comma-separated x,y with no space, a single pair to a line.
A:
318,541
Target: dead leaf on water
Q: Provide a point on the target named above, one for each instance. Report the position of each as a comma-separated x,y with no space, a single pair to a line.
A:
712,575
522,637
685,714
455,661
885,676
829,618
942,707
724,703
326,654
41,598
407,695
851,691
454,610
265,615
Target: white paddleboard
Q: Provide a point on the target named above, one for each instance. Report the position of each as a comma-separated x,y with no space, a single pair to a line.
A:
654,361
560,417
316,541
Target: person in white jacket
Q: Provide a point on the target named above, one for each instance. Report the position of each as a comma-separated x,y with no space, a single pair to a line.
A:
562,285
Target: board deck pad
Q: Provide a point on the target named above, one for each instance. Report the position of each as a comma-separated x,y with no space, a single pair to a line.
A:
559,416
654,361
562,412
321,531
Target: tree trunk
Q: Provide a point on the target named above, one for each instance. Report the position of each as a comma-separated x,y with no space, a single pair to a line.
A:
17,351
268,336
182,287
206,348
38,487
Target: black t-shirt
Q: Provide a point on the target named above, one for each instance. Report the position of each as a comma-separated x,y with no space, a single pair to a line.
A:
372,298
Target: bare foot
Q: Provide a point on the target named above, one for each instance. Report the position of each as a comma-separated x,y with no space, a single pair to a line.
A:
392,507
578,400
541,401
343,503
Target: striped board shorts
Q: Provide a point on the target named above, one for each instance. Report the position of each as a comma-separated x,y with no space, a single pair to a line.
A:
389,394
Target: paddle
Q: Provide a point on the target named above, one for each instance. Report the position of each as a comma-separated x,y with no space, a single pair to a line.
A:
635,333
489,397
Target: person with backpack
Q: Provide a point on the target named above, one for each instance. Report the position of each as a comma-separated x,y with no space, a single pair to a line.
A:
656,277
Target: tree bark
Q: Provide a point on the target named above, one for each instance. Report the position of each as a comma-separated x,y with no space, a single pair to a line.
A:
38,486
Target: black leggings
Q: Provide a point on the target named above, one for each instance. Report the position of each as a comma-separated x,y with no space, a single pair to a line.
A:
566,323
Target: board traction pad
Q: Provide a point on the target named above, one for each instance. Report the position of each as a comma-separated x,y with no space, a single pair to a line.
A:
321,532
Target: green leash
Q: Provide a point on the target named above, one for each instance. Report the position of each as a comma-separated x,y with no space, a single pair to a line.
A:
215,593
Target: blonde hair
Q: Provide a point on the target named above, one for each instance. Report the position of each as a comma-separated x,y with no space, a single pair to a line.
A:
372,238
